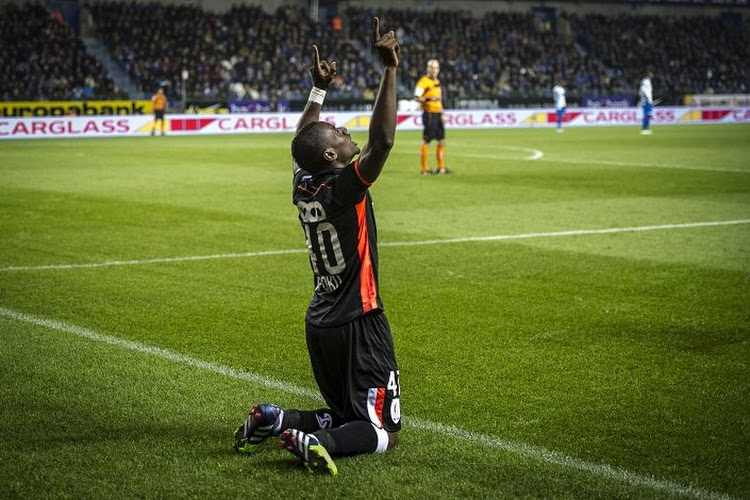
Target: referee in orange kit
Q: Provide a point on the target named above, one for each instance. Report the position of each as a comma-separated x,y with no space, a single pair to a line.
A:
429,94
160,106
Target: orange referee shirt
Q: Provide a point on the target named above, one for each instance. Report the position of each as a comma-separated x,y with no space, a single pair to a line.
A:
429,88
160,102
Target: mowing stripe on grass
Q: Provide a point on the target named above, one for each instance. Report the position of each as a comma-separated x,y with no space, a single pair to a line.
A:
537,156
498,237
560,459
574,232
533,154
517,448
646,165
154,261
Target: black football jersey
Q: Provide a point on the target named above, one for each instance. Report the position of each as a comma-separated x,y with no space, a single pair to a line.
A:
335,209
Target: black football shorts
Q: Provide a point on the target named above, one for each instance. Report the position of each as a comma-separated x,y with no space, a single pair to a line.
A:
355,368
434,130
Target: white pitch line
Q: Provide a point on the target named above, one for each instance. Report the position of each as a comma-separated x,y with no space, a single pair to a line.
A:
154,261
646,165
603,162
518,448
535,154
538,154
560,459
576,232
499,237
538,157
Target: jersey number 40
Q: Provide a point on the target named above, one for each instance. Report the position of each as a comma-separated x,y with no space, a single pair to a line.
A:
323,245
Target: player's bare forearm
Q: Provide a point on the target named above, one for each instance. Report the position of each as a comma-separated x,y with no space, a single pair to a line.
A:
383,121
382,128
311,113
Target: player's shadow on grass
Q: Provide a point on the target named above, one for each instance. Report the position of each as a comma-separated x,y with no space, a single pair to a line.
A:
269,457
274,464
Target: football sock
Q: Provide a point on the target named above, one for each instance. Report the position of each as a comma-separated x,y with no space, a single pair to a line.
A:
441,156
353,438
309,421
424,151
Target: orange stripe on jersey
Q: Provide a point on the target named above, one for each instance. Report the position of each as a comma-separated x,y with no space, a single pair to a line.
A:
367,288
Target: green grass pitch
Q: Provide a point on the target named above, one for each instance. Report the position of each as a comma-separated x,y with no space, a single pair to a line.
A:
553,360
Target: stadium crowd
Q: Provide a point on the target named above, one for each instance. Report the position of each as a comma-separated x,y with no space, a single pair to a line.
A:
42,59
497,54
688,55
249,53
245,51
501,54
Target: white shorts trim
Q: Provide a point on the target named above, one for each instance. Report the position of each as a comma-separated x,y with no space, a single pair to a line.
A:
382,439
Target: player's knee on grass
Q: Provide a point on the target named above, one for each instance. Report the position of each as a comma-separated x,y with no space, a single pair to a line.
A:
392,440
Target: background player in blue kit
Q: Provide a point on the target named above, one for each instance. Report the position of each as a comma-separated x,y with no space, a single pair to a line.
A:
645,94
348,336
558,95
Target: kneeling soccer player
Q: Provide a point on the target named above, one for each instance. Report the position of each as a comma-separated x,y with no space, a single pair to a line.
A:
348,336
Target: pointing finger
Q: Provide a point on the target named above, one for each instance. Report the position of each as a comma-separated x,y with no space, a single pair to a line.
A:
376,29
316,56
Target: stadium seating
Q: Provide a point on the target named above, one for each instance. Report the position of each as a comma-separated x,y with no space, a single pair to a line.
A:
498,54
516,54
268,55
247,52
689,55
42,59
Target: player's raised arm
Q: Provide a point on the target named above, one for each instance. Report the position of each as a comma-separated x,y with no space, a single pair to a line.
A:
322,73
383,122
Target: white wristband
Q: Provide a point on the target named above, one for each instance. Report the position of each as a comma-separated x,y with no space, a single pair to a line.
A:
317,95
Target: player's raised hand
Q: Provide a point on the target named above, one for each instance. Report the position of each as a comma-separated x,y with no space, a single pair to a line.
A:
322,73
386,44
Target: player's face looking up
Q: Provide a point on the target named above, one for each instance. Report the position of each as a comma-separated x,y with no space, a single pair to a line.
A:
338,141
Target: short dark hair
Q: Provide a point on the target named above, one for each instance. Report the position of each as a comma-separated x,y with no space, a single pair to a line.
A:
308,147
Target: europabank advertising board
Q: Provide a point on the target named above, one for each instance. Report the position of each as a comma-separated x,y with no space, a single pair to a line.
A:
20,109
259,123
